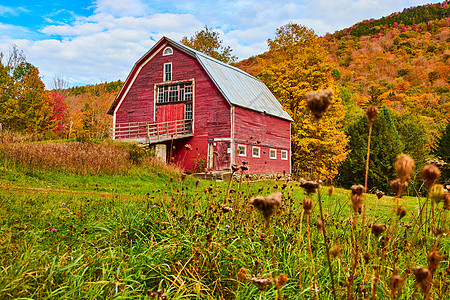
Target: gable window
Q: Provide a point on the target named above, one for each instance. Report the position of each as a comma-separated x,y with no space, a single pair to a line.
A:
242,150
255,152
168,72
167,51
284,155
174,93
273,153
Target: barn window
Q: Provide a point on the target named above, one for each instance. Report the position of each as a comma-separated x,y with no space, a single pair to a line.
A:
273,154
167,51
175,93
188,111
242,150
255,152
168,72
284,154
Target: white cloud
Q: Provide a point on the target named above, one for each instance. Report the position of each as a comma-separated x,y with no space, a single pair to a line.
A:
121,8
106,44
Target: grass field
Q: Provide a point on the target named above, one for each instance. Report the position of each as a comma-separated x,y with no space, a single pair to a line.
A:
148,233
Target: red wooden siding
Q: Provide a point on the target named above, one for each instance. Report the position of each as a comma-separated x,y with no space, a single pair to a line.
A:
211,116
255,129
211,111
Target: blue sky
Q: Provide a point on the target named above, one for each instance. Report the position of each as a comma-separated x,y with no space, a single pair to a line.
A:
88,42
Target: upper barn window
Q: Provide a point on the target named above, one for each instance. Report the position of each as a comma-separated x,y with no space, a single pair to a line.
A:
168,72
168,51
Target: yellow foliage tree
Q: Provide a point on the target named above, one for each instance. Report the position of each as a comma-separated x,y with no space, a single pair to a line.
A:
297,64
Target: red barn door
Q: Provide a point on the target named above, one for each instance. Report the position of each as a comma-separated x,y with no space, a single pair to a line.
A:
170,113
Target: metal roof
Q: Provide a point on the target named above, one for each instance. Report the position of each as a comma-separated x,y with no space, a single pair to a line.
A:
238,88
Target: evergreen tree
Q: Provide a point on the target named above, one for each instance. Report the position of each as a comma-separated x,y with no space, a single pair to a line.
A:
442,151
385,146
297,64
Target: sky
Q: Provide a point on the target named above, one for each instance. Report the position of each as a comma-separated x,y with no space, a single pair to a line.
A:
89,42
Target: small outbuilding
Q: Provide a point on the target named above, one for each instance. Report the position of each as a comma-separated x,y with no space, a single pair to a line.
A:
202,112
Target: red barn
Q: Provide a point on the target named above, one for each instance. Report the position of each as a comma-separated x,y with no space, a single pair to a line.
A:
179,98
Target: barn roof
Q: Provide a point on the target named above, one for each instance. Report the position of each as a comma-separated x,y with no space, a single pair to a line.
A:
238,87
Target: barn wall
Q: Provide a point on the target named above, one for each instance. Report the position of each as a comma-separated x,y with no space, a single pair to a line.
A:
266,132
212,117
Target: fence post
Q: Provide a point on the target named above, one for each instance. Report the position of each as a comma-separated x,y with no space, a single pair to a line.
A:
167,128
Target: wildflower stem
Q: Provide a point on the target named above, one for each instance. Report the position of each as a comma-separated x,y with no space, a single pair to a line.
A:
308,234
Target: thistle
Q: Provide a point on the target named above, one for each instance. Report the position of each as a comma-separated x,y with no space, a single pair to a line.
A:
267,205
430,173
404,165
318,102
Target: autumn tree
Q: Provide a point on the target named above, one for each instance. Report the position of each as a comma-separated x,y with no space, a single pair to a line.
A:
25,104
208,41
297,64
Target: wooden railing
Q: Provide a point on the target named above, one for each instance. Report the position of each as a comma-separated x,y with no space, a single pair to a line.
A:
152,131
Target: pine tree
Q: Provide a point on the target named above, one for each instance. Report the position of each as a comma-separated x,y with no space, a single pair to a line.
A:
297,65
384,149
442,151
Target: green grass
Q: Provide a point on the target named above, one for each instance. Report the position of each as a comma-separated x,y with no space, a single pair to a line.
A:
127,236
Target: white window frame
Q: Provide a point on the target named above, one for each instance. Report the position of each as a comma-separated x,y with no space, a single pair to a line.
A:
285,152
240,151
253,152
166,73
270,154
167,51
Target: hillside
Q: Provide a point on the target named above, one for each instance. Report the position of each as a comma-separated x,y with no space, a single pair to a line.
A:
402,61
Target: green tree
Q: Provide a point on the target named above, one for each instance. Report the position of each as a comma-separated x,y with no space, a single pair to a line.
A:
208,41
385,147
442,151
297,64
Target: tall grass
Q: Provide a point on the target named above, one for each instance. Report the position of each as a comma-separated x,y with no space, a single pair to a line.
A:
78,157
181,238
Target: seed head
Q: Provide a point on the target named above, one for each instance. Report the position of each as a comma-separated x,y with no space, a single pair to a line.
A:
398,186
307,206
433,259
357,189
447,201
379,194
395,283
401,212
309,186
404,165
437,193
421,274
242,274
423,278
243,168
372,113
234,168
430,173
267,205
318,102
335,251
378,229
281,280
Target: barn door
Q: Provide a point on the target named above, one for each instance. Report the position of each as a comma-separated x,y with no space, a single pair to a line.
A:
218,155
166,115
221,155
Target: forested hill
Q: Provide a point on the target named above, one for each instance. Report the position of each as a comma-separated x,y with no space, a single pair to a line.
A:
401,61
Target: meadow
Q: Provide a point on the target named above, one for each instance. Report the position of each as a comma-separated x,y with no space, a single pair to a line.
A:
148,231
